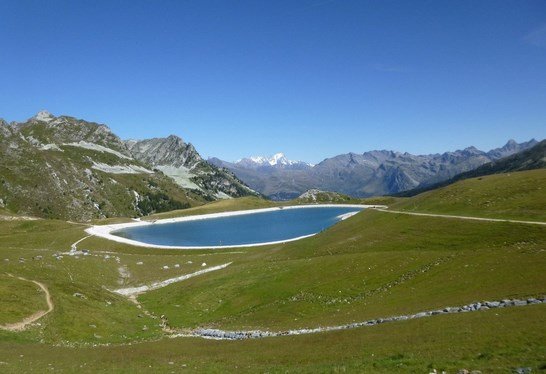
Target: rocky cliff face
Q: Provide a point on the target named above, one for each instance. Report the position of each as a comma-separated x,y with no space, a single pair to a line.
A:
180,161
368,174
165,151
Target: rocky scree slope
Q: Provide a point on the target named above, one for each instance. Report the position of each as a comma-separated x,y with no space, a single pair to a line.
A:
368,174
181,161
68,168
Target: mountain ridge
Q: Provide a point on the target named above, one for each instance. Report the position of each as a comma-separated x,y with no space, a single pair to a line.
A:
376,172
528,159
69,168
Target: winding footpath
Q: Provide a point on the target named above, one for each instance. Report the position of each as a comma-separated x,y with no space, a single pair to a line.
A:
459,217
21,325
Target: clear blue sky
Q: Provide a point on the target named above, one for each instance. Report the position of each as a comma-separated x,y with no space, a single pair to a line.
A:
311,78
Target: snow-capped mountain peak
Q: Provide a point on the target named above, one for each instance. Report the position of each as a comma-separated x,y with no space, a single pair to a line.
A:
258,160
278,159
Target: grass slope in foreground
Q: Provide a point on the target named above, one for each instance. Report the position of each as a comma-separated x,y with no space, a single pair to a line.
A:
519,195
372,265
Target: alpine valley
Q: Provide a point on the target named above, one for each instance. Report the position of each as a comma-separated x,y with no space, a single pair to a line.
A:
449,279
139,235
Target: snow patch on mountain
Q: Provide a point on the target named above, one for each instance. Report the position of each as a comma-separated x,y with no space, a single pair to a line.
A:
120,169
96,147
181,175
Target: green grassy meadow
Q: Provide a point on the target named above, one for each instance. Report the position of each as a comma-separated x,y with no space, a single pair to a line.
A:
372,265
519,195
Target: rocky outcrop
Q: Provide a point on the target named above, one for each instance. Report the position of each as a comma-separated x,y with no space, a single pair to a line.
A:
4,128
181,161
317,196
170,151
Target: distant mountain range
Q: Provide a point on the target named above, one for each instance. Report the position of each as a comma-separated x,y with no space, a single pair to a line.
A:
63,167
361,175
529,159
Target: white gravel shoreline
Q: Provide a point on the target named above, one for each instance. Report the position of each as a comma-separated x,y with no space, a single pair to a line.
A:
105,231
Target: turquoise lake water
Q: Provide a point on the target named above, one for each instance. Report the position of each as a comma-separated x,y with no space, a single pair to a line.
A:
263,227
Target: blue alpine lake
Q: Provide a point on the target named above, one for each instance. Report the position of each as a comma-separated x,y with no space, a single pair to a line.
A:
254,228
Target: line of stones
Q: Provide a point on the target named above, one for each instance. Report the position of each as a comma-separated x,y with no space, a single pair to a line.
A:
256,334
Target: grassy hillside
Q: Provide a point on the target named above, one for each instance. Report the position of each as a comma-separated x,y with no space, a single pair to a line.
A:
518,195
64,183
372,265
18,299
340,277
490,342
